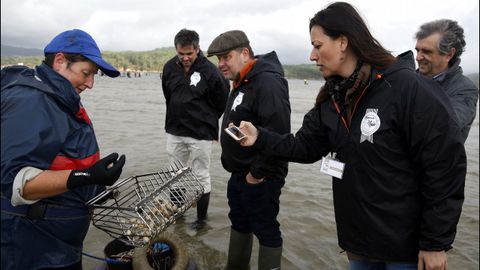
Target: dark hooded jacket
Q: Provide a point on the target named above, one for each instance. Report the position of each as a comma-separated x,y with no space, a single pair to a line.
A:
196,100
402,188
263,99
44,126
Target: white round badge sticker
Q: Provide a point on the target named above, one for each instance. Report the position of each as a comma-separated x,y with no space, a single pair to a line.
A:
370,123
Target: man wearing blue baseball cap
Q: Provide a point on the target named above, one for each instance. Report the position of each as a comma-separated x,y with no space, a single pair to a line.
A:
50,157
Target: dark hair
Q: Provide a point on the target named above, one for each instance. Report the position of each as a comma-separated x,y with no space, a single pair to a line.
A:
451,36
341,18
186,38
71,58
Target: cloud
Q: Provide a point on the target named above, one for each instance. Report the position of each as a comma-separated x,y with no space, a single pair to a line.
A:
280,25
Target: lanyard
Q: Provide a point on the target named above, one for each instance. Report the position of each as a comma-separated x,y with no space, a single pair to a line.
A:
337,108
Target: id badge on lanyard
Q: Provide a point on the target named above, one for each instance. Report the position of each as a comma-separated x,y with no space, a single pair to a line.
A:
332,167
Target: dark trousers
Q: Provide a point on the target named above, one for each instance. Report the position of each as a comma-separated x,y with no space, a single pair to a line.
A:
254,208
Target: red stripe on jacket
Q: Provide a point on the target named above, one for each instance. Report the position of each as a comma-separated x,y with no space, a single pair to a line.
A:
67,163
82,114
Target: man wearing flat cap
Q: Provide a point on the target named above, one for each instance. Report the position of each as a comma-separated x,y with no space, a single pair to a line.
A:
51,163
260,95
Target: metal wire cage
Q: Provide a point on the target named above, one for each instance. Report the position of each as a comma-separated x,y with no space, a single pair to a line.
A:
137,208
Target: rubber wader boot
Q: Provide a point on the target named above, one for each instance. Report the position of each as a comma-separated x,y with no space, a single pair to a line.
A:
202,207
269,258
239,250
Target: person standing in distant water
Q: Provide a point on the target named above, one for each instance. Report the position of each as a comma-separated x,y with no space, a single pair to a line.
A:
260,94
51,163
439,46
387,137
195,95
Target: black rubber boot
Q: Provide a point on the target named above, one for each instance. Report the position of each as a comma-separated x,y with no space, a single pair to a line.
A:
202,208
269,258
239,250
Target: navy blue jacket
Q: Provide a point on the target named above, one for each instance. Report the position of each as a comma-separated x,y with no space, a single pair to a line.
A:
403,185
43,125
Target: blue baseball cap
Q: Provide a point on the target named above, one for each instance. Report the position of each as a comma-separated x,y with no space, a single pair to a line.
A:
78,41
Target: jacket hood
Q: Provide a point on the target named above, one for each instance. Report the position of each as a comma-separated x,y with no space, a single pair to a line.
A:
266,63
43,79
404,61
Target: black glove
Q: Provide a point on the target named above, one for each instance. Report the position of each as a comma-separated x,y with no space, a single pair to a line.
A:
100,173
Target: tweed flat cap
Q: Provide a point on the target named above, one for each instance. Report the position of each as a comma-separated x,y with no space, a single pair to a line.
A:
226,42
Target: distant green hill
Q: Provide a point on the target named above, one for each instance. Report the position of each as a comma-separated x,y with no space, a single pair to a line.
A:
154,60
7,50
144,60
303,71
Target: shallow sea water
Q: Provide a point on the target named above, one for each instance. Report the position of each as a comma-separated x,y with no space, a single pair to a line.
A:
129,114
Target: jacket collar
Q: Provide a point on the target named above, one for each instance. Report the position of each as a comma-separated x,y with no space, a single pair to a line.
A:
243,73
61,89
449,72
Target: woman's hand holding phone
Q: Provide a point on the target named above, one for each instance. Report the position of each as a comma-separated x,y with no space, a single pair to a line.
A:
251,133
235,132
246,134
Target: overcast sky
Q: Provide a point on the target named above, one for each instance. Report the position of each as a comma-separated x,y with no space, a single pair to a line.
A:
280,25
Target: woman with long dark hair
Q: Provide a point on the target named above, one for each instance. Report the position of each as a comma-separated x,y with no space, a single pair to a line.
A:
387,138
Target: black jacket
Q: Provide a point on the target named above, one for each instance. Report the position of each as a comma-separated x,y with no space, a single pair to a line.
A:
195,101
262,99
403,190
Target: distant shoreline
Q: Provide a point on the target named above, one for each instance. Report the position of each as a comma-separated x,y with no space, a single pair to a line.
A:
153,61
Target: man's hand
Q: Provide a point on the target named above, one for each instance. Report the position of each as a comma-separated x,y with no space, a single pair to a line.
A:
432,260
105,172
252,180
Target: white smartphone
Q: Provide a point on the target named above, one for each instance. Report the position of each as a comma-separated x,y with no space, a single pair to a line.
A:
235,133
